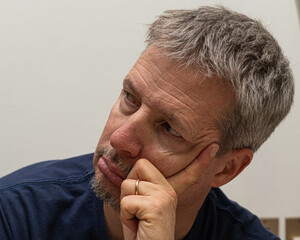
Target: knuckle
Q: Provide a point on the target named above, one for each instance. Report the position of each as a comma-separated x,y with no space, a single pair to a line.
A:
173,198
141,163
123,203
169,198
124,185
173,195
158,204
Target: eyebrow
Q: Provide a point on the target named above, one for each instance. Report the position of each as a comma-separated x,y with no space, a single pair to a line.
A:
169,115
130,85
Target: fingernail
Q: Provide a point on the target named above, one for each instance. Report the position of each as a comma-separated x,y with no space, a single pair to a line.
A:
214,150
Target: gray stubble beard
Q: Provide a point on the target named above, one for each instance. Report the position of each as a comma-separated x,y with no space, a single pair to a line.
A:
104,189
105,192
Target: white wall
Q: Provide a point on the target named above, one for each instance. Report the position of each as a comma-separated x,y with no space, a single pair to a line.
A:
61,67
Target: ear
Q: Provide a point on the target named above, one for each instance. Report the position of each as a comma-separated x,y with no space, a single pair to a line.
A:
231,165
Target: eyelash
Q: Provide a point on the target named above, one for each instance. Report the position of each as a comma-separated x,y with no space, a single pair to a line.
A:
168,127
165,125
127,95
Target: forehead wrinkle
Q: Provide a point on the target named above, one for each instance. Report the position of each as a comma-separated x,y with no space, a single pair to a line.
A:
166,71
170,115
130,84
182,92
182,122
172,95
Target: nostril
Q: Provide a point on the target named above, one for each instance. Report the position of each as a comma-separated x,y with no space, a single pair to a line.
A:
127,142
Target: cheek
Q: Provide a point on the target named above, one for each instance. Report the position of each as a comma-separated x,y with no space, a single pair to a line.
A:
169,163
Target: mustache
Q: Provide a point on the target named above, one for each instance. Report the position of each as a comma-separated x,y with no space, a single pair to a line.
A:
113,155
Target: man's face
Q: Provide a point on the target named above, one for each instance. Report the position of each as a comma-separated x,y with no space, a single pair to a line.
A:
166,114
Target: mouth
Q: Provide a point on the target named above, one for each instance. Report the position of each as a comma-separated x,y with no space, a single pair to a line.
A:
111,171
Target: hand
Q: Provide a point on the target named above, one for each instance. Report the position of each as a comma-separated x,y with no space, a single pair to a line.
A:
152,213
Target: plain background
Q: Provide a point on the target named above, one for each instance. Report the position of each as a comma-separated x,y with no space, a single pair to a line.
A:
61,67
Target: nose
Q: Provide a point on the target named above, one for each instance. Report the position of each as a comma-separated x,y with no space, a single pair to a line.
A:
129,137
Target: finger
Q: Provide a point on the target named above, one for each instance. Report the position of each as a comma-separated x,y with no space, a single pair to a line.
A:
131,210
146,171
128,187
188,176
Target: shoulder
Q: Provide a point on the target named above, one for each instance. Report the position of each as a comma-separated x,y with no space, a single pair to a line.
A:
233,220
46,198
220,218
64,170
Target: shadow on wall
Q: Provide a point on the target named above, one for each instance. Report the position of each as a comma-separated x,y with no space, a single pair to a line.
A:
298,9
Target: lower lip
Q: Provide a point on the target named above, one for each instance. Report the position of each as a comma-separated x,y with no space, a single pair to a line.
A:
114,178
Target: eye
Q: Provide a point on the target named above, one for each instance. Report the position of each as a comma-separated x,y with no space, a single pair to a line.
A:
171,130
131,99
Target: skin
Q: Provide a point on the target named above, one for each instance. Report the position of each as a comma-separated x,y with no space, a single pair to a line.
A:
163,127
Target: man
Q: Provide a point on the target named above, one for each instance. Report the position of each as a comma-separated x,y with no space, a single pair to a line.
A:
209,89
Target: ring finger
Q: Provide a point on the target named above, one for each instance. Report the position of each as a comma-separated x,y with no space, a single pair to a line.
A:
131,186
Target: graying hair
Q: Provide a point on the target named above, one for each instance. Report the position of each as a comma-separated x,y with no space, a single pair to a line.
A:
240,51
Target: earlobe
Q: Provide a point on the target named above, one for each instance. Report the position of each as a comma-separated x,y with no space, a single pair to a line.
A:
232,165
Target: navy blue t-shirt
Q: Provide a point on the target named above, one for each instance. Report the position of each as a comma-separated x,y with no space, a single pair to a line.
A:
54,200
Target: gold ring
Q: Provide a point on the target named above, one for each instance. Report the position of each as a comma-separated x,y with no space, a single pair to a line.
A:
137,187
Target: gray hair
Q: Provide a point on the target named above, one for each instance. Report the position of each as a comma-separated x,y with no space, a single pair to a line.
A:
237,50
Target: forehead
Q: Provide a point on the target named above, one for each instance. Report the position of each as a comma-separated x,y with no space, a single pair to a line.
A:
181,93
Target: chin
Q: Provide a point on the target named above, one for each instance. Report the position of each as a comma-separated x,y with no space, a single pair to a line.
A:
106,190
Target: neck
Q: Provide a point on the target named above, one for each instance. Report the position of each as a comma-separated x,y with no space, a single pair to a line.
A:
185,217
113,222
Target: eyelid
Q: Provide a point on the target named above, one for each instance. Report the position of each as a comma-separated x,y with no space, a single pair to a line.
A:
126,93
169,125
